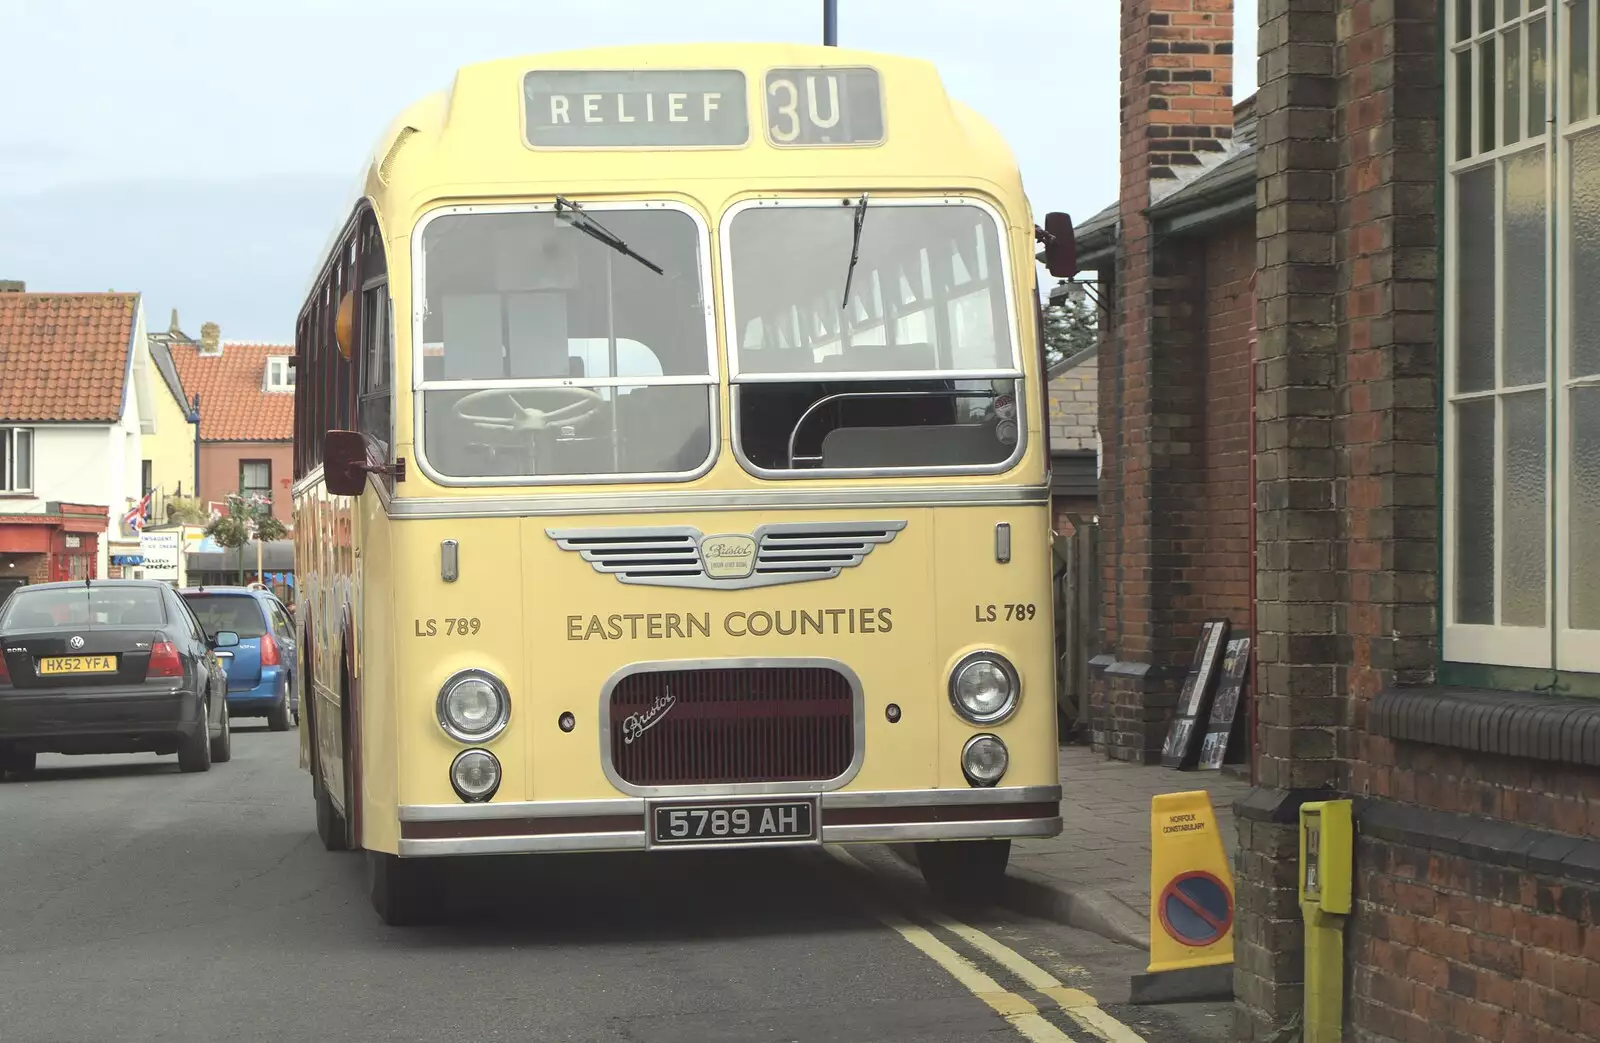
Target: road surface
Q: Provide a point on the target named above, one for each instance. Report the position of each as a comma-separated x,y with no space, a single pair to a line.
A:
142,904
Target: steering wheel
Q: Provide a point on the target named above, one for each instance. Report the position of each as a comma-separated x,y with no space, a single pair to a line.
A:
574,406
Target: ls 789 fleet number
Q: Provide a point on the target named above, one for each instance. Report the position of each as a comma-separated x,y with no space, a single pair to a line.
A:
1008,613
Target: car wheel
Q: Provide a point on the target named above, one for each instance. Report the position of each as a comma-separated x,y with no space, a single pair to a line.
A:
278,716
965,872
17,763
404,891
194,752
222,745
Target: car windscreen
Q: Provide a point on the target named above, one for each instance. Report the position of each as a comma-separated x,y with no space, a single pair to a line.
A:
236,612
82,607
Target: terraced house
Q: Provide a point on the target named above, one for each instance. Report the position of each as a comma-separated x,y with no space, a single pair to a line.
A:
244,396
1350,401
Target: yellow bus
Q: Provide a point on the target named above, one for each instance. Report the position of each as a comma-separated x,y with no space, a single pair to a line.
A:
672,469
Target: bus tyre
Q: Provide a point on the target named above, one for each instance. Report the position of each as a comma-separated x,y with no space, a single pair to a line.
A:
278,716
404,890
966,872
222,745
18,764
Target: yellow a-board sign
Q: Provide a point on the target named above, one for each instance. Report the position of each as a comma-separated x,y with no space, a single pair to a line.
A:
1191,885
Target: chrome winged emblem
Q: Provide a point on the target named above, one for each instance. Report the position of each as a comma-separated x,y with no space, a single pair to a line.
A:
683,556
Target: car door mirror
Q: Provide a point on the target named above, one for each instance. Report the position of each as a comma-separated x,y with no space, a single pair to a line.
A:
225,639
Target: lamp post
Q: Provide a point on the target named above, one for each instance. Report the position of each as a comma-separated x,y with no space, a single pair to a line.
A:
830,23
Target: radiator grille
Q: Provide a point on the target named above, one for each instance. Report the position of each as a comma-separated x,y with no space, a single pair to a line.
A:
731,726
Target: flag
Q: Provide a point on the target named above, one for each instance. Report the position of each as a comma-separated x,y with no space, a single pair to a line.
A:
139,515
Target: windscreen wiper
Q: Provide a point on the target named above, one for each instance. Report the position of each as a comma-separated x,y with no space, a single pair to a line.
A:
855,251
580,219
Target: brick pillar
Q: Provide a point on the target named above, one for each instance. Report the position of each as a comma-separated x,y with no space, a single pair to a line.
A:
1300,560
1346,434
1176,72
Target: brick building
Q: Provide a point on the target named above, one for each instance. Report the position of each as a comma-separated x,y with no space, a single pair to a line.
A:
1073,437
246,405
1419,343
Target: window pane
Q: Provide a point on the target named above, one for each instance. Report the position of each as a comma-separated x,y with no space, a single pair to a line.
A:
1511,9
1486,95
1511,89
1463,19
24,461
6,482
1578,69
1583,519
1486,15
1474,479
1526,346
1474,253
1538,77
1464,104
1584,220
1522,521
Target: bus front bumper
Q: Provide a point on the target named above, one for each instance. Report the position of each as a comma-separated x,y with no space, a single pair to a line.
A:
621,824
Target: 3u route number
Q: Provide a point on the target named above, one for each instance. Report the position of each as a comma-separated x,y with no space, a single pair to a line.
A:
1011,612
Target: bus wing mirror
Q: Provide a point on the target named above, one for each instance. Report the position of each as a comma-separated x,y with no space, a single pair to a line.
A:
1060,246
344,462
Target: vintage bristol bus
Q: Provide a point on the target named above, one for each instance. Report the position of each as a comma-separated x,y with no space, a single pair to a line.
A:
671,471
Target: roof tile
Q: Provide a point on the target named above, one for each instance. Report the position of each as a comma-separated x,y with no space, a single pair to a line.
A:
233,405
64,356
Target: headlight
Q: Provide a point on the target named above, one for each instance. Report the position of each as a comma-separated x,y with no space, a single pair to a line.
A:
475,774
984,688
984,760
473,706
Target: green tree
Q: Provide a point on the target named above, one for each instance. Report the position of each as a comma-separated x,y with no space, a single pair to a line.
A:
246,519
1070,326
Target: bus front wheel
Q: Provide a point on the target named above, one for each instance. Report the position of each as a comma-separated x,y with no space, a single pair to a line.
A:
404,891
965,871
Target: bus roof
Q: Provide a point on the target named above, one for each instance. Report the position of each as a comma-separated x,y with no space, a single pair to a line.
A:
473,140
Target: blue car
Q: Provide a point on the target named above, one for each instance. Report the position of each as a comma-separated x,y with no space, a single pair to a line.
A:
261,669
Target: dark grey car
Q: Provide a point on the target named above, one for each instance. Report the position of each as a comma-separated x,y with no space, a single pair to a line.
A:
110,666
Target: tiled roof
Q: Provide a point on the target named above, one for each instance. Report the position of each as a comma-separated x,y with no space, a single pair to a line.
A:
64,356
233,406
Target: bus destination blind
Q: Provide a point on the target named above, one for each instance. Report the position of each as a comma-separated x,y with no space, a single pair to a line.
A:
822,106
640,108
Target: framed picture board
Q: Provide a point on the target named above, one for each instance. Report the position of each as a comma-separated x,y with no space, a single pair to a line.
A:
1194,701
1225,716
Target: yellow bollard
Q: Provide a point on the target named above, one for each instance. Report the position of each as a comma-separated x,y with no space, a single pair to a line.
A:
1327,853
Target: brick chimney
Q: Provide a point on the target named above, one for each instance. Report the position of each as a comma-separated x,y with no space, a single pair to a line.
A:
1177,82
210,339
13,286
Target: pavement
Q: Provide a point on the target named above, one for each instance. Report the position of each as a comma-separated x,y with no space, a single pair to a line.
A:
143,904
1096,874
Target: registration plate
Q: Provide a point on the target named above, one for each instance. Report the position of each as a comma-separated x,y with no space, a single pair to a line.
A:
78,664
734,823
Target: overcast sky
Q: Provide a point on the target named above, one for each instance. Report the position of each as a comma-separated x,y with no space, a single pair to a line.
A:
200,151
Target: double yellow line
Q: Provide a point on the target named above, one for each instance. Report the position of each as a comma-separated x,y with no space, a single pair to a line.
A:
1079,1006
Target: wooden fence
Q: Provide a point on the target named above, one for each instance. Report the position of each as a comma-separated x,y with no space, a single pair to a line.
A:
1077,612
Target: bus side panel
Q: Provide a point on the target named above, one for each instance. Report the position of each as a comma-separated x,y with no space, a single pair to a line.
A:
475,622
1006,607
378,677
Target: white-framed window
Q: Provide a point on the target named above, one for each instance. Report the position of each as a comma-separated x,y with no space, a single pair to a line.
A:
280,375
1522,335
16,459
